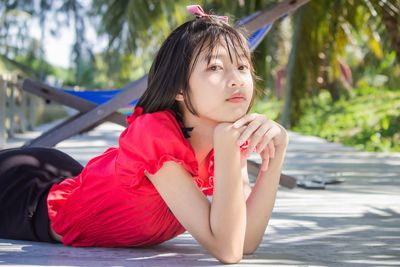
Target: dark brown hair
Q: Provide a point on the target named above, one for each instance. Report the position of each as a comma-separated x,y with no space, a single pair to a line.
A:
170,72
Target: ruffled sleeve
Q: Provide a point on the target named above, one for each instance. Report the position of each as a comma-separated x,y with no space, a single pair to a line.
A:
149,141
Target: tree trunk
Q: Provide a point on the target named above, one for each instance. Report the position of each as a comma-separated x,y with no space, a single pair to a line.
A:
295,81
392,23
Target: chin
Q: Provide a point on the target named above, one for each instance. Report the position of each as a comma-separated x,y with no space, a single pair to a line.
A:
240,112
234,116
228,115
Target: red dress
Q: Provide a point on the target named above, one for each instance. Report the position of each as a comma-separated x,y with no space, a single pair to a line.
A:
112,203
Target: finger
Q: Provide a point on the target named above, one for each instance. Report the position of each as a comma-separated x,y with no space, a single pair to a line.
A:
257,137
272,132
271,148
264,142
265,159
244,120
251,128
264,153
265,163
241,129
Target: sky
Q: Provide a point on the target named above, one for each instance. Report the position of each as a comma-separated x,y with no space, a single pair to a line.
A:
58,49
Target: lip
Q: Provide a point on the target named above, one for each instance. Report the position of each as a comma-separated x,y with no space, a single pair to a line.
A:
237,97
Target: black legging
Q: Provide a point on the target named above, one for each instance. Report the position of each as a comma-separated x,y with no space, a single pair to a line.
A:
26,175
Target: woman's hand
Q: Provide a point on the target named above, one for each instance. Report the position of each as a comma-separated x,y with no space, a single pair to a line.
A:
226,133
264,134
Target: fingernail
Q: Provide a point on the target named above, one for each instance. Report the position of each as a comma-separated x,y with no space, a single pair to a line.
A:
235,125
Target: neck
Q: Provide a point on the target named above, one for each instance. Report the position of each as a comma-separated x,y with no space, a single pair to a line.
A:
201,137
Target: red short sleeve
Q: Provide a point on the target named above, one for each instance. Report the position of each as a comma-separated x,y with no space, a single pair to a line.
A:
150,140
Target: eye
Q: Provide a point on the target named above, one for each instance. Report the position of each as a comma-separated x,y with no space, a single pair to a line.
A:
215,67
243,67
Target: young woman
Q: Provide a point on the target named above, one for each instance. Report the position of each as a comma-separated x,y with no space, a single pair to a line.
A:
187,140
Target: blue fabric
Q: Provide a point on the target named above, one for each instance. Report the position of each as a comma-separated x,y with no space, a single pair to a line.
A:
258,36
100,97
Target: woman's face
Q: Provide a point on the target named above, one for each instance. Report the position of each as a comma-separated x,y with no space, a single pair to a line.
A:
222,89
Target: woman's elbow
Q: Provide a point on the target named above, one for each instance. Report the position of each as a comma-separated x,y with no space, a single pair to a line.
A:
229,256
230,259
248,250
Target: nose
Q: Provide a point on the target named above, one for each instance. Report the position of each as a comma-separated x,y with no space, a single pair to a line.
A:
236,80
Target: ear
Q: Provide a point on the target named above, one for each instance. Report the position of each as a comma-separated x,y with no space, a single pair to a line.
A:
179,97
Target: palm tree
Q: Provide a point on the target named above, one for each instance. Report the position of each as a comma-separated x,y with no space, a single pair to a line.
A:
81,52
14,38
17,15
321,31
138,27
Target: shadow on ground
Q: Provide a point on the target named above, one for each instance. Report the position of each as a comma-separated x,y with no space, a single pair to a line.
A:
356,223
292,239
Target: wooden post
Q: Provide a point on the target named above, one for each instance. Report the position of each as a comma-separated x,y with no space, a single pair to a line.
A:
11,111
21,106
25,109
31,115
3,103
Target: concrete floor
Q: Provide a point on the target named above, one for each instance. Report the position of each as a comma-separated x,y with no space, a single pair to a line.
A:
355,223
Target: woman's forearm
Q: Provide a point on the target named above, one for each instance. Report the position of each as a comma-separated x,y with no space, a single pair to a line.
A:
261,201
228,208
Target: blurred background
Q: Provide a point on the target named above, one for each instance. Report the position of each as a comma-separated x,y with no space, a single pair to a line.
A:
330,69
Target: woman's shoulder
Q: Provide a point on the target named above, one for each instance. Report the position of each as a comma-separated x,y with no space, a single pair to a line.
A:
154,120
155,129
150,140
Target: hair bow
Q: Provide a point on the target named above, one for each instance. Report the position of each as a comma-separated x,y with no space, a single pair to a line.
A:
199,12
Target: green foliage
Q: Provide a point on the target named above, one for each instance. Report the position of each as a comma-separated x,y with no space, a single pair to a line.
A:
319,37
36,66
46,113
369,121
137,26
268,106
323,31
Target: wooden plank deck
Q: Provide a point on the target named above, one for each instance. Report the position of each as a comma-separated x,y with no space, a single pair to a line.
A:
356,223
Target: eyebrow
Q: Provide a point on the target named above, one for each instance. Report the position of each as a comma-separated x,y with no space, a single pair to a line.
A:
208,58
